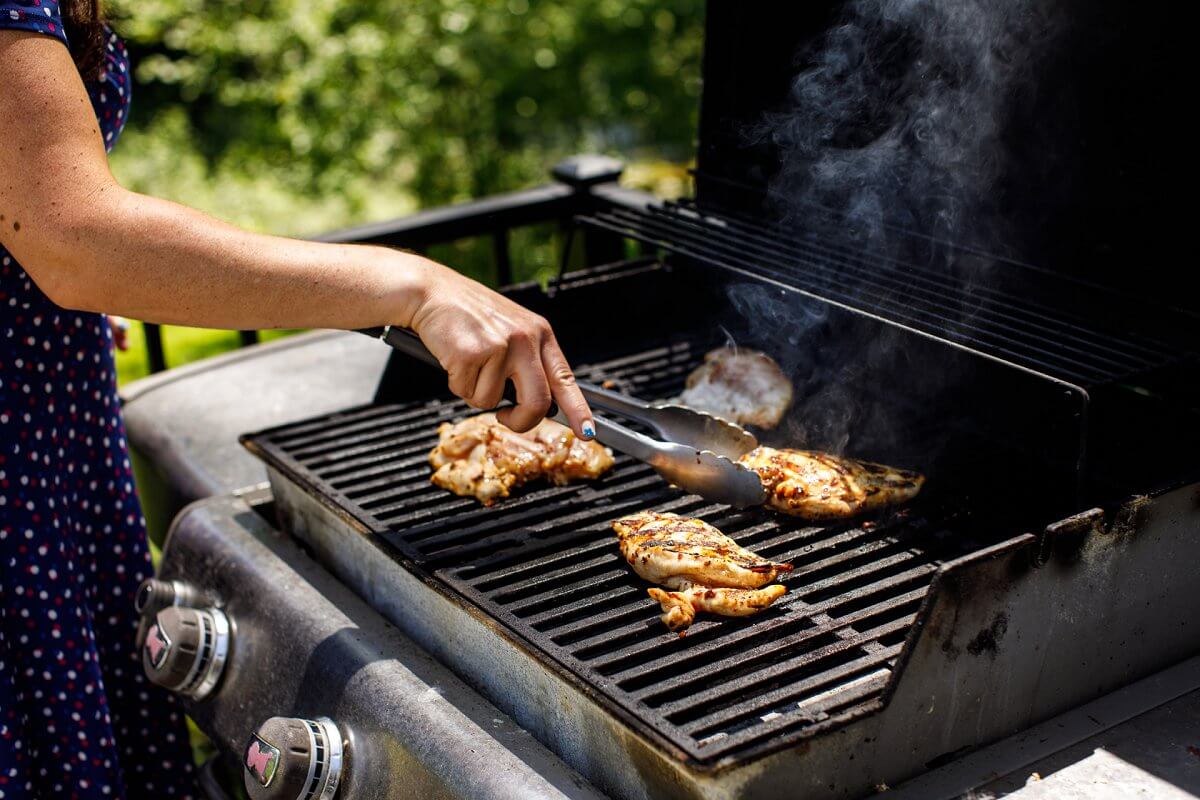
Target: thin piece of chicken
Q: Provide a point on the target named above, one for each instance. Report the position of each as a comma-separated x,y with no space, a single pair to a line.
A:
743,386
704,569
680,607
819,486
482,458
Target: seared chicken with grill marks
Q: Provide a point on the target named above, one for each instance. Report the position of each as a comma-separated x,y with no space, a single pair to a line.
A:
819,486
743,386
482,458
703,568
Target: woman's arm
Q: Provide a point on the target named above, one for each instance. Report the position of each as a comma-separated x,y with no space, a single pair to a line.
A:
89,244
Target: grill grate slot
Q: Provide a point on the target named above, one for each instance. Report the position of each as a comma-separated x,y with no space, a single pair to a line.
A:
545,565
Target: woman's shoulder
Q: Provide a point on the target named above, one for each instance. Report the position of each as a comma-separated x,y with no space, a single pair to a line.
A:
35,16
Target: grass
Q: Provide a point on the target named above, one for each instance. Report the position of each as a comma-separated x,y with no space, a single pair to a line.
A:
181,346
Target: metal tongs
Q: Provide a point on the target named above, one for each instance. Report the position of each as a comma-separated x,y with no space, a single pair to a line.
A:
695,451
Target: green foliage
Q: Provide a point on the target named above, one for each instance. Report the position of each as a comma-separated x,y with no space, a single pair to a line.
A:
303,115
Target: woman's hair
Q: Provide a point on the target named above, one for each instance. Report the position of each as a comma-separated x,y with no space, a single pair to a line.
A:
84,24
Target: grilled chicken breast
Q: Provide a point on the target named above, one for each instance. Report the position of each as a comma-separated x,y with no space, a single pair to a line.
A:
820,486
743,386
482,458
704,569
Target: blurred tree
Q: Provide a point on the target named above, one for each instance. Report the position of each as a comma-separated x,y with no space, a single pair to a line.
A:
304,115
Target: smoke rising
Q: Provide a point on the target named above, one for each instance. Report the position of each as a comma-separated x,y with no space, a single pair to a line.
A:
895,124
898,114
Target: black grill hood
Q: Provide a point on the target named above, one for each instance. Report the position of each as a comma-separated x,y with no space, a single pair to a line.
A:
1091,181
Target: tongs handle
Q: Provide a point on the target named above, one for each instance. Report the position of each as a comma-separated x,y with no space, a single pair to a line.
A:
616,402
405,341
409,343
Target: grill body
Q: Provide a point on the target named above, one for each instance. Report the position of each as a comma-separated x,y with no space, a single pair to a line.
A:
1000,638
531,602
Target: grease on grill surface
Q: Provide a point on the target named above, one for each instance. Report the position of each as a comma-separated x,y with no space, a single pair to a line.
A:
479,457
704,569
819,486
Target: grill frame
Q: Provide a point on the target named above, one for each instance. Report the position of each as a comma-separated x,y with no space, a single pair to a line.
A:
656,706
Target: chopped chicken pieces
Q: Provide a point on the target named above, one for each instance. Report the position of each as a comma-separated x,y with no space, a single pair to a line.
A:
743,386
482,458
820,486
703,569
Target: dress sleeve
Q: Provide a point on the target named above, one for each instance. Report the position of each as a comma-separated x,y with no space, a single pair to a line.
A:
36,16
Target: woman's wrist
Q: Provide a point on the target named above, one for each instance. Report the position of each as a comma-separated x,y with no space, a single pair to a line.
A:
409,279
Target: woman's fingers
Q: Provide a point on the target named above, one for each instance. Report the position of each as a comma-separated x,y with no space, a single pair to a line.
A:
489,386
566,391
463,378
533,392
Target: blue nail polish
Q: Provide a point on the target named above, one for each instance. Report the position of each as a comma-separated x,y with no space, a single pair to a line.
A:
589,430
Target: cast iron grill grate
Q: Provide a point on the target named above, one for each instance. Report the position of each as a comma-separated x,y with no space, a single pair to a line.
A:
545,564
1043,330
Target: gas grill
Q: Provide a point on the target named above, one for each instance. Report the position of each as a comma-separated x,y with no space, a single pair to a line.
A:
1050,560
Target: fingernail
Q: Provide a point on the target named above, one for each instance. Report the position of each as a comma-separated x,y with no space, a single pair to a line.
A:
589,429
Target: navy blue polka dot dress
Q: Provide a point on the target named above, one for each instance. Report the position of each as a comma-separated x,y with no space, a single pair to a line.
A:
77,716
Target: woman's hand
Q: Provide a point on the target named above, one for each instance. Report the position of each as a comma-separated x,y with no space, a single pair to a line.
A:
483,339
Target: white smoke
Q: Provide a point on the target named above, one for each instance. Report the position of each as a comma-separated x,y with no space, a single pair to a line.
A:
897,118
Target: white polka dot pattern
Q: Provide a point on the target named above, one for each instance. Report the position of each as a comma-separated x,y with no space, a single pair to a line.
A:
78,719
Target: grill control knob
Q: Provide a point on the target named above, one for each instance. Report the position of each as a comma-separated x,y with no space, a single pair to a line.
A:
154,595
289,759
186,648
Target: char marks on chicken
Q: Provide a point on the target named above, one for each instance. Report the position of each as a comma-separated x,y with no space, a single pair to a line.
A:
820,486
701,568
482,458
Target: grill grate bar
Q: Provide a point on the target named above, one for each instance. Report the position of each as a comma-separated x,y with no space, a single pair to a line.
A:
299,434
723,710
639,608
662,679
817,709
510,568
311,440
601,652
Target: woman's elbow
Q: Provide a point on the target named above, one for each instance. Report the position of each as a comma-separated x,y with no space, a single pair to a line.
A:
58,275
65,289
56,260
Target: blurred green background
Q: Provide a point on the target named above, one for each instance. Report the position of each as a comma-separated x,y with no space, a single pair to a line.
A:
302,116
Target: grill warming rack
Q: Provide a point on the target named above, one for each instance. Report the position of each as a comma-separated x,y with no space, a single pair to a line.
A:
545,565
1049,331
